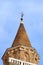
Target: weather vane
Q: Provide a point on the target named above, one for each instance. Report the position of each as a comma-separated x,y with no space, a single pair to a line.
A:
22,16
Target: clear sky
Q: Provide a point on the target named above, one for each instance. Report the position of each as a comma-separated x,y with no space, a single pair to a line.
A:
10,12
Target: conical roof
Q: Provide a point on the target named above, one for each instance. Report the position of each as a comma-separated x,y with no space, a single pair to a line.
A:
21,37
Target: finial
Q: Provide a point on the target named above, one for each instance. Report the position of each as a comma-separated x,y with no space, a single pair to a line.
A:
22,14
22,17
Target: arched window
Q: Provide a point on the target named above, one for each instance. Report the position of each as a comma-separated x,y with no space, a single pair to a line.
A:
23,63
20,63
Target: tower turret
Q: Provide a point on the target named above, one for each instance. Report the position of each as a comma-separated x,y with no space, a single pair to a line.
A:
21,52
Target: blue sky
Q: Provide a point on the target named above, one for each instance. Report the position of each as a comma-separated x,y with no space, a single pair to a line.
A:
10,12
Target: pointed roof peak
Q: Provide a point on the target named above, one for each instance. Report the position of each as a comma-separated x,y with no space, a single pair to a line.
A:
21,36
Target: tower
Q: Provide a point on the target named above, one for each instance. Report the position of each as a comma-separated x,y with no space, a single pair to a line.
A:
21,52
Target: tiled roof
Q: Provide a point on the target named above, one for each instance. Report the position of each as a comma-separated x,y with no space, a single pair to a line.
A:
21,37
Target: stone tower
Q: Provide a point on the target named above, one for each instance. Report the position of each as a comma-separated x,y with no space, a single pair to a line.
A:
21,52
